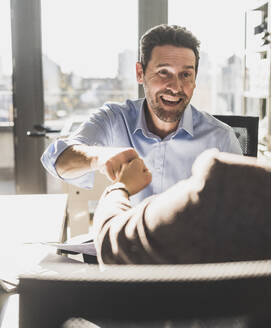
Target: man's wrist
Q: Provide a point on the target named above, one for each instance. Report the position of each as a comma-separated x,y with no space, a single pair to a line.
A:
117,186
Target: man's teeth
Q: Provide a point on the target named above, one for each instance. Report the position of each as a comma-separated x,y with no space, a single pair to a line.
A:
171,99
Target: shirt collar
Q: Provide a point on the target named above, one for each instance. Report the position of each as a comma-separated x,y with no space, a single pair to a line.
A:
186,122
141,123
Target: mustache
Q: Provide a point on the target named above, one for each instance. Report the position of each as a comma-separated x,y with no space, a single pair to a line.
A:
170,93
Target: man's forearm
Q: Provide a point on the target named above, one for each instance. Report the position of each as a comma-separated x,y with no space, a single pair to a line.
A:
80,159
76,161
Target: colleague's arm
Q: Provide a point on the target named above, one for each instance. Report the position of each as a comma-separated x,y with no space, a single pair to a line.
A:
156,231
77,160
151,232
203,219
161,229
112,238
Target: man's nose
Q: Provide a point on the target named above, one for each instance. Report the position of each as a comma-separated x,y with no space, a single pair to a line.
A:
175,84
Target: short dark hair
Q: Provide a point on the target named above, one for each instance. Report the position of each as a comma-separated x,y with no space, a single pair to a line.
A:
167,35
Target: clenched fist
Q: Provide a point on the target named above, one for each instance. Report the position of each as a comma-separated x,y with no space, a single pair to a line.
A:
112,160
134,175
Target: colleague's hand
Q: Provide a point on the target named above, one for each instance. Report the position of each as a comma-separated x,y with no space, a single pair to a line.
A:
111,161
134,175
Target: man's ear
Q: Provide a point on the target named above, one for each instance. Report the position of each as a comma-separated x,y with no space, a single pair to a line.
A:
139,73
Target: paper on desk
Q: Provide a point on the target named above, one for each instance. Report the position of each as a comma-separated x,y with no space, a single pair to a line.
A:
8,286
87,247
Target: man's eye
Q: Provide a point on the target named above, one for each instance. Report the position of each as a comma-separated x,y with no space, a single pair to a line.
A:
186,75
163,73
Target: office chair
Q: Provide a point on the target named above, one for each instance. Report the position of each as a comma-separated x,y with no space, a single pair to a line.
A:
148,296
246,131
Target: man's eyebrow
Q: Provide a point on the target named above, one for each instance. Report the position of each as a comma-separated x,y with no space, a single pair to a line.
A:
189,67
168,65
163,65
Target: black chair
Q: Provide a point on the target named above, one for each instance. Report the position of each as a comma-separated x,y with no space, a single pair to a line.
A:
246,130
149,296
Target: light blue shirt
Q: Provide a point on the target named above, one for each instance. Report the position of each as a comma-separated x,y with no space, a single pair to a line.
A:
169,160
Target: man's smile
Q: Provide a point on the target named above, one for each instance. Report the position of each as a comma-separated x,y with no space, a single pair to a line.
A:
171,100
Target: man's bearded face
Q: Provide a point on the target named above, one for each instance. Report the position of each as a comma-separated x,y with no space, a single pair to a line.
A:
169,81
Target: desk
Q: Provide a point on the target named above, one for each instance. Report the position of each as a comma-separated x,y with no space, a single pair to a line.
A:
25,221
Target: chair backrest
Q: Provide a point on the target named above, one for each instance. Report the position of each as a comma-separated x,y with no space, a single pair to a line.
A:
141,294
246,131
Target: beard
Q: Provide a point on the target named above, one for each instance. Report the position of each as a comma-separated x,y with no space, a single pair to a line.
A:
166,115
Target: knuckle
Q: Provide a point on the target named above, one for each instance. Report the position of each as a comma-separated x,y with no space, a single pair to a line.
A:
108,164
131,152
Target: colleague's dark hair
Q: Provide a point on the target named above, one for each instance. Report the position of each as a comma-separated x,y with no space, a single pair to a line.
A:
167,35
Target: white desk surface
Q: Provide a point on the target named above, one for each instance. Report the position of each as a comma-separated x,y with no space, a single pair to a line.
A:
32,218
25,221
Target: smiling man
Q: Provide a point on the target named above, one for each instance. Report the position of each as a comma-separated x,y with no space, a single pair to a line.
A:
169,82
164,129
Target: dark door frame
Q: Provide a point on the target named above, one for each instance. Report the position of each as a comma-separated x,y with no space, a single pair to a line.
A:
28,105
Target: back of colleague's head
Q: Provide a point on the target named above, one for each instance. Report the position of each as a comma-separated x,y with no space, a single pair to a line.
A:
167,35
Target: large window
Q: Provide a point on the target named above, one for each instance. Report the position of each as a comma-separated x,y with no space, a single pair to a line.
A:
89,54
220,27
7,184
